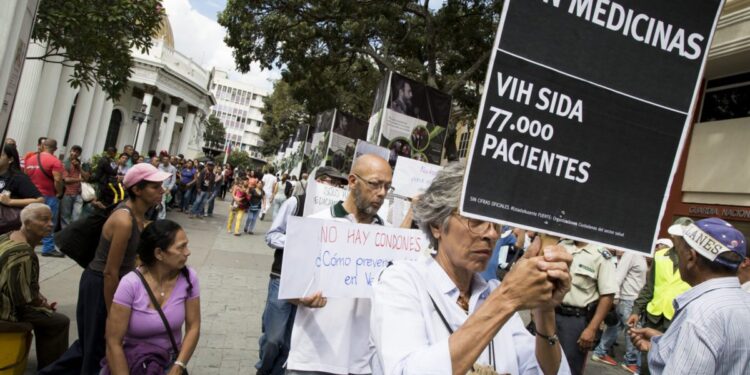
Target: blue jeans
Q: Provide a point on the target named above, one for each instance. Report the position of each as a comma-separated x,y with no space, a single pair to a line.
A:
70,209
187,197
200,199
48,243
211,199
623,310
277,322
252,218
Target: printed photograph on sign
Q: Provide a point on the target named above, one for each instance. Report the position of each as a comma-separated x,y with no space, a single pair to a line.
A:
410,119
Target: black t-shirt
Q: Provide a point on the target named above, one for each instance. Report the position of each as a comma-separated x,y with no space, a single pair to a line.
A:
256,199
206,181
19,185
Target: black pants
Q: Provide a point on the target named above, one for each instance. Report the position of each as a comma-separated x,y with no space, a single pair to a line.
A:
223,191
51,334
84,356
569,329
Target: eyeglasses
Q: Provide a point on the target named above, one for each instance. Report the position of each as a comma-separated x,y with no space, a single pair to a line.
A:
477,226
373,185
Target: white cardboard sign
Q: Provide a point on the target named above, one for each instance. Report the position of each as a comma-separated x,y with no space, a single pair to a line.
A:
341,259
412,177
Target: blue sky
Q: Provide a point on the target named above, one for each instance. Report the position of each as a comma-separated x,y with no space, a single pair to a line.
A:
208,8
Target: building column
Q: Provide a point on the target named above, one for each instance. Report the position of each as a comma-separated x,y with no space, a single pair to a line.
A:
64,99
187,130
93,127
28,87
165,134
104,124
81,116
45,102
148,98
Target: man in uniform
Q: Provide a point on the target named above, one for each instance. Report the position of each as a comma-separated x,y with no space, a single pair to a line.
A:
583,309
663,284
333,337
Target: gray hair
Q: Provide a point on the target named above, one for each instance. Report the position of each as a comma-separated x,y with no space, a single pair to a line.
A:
436,205
30,211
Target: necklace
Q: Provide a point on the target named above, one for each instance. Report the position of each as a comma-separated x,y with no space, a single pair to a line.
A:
463,303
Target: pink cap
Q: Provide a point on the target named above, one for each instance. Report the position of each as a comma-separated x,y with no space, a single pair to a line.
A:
141,172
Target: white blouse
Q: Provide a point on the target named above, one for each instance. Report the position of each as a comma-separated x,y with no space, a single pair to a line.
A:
411,338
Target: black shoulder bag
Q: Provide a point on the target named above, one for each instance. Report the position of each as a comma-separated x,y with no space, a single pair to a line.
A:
163,318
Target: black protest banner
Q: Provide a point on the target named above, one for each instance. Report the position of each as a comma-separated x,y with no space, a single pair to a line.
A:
585,109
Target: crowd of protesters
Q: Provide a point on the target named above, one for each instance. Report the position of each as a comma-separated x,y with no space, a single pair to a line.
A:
42,193
456,311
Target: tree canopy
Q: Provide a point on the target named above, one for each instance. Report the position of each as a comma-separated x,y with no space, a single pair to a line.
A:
214,135
95,37
325,45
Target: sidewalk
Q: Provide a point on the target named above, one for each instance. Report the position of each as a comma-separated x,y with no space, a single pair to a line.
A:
233,274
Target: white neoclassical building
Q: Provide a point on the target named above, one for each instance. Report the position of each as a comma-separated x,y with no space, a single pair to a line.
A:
167,90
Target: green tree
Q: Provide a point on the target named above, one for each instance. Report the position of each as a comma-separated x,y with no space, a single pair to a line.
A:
238,159
214,135
322,40
95,37
282,114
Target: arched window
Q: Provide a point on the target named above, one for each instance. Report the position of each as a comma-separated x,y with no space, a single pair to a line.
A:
114,129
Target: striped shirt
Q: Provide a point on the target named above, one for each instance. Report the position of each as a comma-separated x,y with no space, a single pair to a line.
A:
19,277
709,333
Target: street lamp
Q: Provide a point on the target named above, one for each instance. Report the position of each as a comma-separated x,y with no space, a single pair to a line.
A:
139,117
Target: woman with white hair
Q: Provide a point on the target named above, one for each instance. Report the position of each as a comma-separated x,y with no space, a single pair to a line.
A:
439,316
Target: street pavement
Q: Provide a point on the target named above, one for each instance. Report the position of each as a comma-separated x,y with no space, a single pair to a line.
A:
233,273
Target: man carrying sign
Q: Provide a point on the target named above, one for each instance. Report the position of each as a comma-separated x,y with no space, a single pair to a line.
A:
279,314
332,337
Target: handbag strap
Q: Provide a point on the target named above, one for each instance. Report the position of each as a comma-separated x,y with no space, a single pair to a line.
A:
41,167
158,309
491,346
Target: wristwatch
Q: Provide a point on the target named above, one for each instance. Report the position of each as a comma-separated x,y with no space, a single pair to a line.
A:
552,340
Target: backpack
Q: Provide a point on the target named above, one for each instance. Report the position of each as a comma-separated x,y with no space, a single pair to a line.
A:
79,239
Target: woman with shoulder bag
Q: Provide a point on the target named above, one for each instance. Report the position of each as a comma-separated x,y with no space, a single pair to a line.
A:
144,327
16,190
114,257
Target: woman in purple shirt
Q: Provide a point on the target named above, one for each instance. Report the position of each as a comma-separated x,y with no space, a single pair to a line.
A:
137,339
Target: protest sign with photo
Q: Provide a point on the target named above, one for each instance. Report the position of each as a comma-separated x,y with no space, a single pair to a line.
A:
410,119
298,150
320,137
342,259
584,114
335,137
347,130
412,177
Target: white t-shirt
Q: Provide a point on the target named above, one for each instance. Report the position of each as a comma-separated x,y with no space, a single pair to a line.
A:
335,338
268,181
